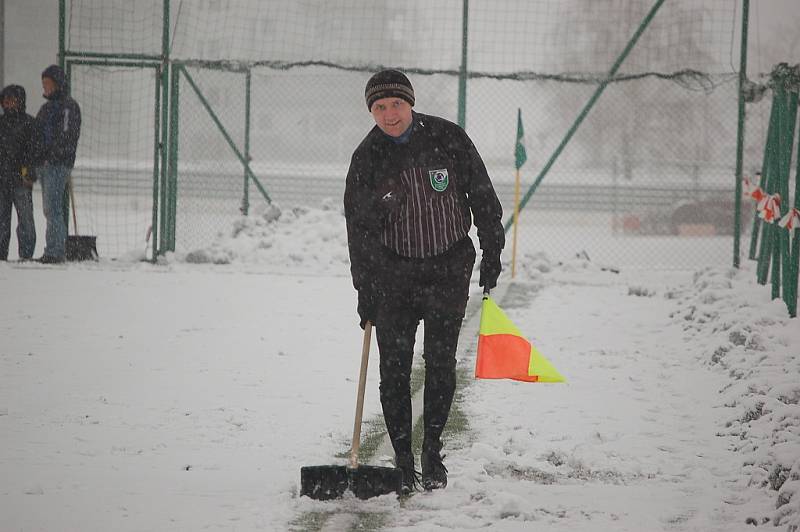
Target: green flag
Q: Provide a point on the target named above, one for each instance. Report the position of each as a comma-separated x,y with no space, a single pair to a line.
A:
519,151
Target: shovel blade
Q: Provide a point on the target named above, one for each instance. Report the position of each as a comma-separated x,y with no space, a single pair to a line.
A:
331,482
323,482
81,248
372,481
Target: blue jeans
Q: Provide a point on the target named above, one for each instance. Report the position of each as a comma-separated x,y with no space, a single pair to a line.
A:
54,182
21,198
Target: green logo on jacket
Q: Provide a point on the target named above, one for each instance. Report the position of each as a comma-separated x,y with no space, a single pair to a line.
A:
439,179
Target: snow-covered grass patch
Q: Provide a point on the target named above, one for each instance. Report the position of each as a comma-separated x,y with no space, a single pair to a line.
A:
736,328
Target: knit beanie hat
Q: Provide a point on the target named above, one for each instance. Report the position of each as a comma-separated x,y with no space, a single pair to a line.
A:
388,84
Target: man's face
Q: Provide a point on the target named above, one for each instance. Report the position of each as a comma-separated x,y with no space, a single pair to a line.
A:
9,102
393,115
49,86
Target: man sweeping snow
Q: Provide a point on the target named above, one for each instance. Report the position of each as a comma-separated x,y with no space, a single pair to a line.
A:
415,184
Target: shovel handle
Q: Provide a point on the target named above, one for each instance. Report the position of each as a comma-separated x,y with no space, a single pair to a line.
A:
362,385
72,203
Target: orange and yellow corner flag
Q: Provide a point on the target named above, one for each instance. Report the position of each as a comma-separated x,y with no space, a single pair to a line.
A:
503,353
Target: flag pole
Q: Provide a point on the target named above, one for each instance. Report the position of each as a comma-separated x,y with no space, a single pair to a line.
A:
519,159
516,223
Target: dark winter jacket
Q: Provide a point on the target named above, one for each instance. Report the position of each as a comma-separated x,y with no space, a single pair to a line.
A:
60,122
417,199
19,140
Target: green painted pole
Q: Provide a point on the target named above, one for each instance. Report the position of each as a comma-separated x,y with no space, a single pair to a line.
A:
462,71
172,173
66,200
62,32
762,183
227,136
782,236
588,107
737,221
111,63
246,195
769,176
164,244
780,151
111,56
794,261
773,152
62,36
156,143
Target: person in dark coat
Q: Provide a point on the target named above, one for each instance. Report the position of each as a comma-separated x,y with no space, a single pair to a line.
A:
18,147
60,122
415,185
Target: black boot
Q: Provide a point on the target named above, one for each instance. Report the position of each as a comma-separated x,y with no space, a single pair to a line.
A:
405,463
434,473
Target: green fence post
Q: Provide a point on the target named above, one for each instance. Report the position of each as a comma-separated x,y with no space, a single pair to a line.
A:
772,169
62,32
789,245
794,262
462,71
781,235
164,245
172,173
737,220
67,66
588,107
154,234
777,178
762,183
246,195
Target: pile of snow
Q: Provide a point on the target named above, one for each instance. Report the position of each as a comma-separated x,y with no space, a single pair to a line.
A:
739,330
298,239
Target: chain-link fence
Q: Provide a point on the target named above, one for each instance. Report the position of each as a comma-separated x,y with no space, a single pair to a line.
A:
273,91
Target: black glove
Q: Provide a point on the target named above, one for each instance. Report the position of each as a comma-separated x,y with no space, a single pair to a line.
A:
367,304
490,268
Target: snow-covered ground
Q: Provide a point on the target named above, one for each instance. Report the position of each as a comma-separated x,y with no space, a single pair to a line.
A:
187,395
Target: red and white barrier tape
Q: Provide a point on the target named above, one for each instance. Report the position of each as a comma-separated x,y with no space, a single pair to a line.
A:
791,220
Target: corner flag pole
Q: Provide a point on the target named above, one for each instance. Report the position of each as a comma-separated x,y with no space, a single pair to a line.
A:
520,156
516,223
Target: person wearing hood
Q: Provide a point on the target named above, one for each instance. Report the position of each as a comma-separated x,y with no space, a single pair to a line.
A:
59,120
415,185
18,147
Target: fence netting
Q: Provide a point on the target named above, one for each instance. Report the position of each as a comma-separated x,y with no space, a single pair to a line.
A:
646,181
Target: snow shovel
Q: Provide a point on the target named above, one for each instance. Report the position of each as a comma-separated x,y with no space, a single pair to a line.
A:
81,247
331,481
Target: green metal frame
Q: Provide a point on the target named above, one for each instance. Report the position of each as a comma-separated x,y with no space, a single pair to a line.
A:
171,182
238,153
588,107
790,294
246,191
762,183
737,202
167,234
71,62
779,252
155,233
462,72
166,124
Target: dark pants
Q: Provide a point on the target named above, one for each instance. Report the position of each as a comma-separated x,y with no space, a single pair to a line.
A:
434,291
21,198
54,185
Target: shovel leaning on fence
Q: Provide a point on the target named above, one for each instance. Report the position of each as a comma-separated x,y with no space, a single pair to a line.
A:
79,247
